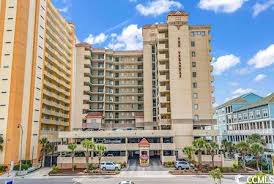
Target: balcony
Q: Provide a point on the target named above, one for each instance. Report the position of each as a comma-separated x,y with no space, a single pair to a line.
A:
202,133
162,57
163,78
163,89
163,110
162,37
163,68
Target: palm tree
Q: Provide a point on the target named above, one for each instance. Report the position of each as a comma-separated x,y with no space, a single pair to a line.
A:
72,148
51,149
227,146
199,146
243,148
44,143
188,150
87,144
101,149
255,138
256,150
212,148
1,143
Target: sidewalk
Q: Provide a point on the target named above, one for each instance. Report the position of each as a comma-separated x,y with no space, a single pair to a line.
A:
39,173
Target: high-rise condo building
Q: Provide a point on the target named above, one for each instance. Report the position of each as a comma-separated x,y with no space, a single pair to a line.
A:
36,59
160,96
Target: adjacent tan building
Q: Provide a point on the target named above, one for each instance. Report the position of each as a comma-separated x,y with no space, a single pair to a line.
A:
36,57
163,93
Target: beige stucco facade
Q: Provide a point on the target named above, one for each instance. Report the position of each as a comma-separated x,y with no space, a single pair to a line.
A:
28,64
170,77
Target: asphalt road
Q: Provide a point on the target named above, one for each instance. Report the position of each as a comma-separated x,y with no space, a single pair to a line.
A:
116,180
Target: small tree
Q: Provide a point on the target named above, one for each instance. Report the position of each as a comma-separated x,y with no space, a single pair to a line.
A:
227,147
212,148
1,143
44,143
216,175
199,146
88,145
72,148
50,149
256,149
255,138
100,149
188,151
243,149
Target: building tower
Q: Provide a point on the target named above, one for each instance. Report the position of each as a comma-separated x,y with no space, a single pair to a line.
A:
36,56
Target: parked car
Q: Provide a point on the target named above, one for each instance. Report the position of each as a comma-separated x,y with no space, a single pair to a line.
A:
126,182
110,166
182,165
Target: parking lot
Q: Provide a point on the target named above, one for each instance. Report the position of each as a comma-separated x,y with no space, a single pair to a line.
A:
155,165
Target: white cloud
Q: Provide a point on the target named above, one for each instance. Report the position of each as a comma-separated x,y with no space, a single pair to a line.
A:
241,91
261,7
96,39
157,7
238,92
130,39
224,63
259,77
226,6
263,58
64,9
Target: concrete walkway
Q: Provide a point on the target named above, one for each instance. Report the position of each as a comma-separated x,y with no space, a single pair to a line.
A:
144,174
39,173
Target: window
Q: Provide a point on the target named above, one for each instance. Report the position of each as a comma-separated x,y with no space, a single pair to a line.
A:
179,42
195,95
192,44
194,74
196,106
240,117
265,113
251,115
194,84
193,54
245,116
196,117
258,113
193,64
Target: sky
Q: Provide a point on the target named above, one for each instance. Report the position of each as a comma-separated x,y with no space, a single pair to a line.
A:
242,34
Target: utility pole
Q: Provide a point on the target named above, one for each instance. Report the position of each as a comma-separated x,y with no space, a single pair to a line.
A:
21,144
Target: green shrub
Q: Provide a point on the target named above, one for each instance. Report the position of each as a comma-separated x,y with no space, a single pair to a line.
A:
3,168
216,175
92,167
24,167
55,169
123,164
169,164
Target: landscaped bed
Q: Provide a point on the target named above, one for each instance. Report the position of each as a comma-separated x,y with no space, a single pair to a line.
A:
81,172
224,170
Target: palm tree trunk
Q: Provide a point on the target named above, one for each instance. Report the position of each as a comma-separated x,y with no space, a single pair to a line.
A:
244,162
200,159
99,158
44,157
87,158
212,159
257,163
72,163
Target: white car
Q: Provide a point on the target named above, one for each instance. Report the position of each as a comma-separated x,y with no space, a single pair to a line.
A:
126,182
110,166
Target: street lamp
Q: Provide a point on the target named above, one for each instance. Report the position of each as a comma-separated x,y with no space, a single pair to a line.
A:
21,144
